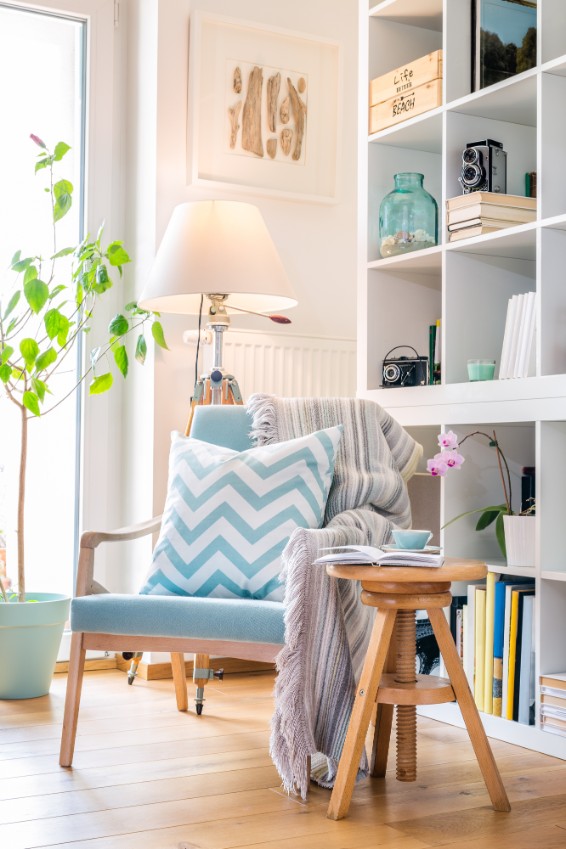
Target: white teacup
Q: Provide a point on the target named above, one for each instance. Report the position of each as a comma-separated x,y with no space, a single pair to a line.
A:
411,538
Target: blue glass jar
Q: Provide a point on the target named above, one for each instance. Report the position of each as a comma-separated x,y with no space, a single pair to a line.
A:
408,217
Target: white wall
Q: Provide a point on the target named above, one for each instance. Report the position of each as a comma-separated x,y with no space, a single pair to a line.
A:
317,242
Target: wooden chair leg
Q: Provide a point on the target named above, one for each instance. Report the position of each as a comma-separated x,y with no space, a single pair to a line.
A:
202,662
72,700
361,714
469,710
180,680
383,723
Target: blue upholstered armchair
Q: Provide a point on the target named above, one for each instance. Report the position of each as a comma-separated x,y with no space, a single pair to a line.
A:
245,628
322,472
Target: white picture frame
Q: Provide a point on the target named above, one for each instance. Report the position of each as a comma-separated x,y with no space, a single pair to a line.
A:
219,44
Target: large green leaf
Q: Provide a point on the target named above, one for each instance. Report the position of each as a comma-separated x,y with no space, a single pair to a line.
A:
500,534
63,252
39,387
29,349
101,384
7,352
46,359
117,254
119,325
30,274
61,149
21,264
121,359
63,194
12,304
57,325
158,335
5,373
495,507
31,402
36,293
141,349
488,516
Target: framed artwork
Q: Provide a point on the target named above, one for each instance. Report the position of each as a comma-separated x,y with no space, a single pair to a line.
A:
504,39
263,109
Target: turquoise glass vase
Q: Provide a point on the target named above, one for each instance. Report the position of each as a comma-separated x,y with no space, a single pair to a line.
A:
408,217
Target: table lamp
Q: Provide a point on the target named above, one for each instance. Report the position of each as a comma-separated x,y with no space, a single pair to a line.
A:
222,250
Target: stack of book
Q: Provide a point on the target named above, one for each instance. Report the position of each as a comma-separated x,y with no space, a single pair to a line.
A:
553,703
497,647
485,212
518,349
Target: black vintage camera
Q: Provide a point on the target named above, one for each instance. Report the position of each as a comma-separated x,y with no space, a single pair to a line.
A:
404,371
484,167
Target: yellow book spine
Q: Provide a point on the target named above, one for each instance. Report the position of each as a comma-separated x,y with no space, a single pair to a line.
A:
512,652
479,678
497,677
488,664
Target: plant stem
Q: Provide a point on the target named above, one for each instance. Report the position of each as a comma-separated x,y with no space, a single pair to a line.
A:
505,484
21,504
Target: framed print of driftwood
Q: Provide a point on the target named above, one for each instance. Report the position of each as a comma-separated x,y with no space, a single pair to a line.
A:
263,109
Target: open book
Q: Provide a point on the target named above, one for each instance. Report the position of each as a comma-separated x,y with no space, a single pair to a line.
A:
369,555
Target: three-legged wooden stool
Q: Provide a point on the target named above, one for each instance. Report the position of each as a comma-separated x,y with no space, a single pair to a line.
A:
398,592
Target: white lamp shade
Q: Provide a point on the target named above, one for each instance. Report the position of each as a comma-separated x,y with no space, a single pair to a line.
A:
217,247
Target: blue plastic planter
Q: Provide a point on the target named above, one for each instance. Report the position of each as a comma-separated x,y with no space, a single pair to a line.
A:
30,634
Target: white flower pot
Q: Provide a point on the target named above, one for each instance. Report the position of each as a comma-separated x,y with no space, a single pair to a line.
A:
520,540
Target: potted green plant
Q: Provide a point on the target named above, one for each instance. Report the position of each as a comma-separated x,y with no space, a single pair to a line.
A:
515,537
50,305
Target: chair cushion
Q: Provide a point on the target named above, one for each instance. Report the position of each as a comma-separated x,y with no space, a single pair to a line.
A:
228,514
241,620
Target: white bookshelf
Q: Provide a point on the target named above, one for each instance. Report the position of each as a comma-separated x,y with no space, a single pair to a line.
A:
467,284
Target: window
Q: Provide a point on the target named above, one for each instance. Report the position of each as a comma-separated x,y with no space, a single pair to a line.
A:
44,55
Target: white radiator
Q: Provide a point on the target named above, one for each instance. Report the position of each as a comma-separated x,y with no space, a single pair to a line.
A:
285,364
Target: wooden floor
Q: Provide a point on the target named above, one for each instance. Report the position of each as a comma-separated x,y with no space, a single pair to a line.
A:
148,777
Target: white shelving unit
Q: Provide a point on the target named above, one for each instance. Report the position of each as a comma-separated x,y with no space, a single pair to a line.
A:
467,285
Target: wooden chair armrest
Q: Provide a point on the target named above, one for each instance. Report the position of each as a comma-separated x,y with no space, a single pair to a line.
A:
90,540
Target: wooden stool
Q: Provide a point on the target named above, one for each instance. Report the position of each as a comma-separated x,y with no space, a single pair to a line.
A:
398,592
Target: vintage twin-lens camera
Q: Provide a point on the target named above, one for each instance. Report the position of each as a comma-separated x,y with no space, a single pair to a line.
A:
484,167
404,371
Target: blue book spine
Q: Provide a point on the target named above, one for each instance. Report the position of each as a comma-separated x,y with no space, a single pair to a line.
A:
498,639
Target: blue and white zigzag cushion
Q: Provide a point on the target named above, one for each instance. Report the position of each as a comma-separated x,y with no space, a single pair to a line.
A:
228,514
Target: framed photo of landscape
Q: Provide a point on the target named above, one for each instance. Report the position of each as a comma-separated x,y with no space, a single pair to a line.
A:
504,39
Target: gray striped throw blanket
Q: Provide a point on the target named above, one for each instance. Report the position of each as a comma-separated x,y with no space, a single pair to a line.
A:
327,627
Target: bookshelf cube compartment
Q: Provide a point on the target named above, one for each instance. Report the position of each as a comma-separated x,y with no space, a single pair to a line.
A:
550,498
552,626
478,484
552,23
401,38
384,162
518,140
479,287
552,313
551,182
421,297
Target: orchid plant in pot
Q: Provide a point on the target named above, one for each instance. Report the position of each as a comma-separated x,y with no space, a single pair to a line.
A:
498,515
49,305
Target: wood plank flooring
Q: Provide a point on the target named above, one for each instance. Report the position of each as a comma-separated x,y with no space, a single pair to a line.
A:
147,777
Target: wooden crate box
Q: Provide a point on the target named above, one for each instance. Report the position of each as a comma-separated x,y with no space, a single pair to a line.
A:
404,106
406,78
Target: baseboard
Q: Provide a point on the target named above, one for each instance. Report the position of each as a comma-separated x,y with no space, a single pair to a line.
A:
159,671
94,665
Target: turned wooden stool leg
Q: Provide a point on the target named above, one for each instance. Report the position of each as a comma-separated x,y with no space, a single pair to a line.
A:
361,714
383,721
469,710
406,714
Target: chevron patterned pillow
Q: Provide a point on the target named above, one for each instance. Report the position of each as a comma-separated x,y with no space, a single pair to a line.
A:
228,514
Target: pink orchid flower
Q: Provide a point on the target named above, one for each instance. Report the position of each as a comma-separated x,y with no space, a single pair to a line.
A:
448,439
436,467
451,457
